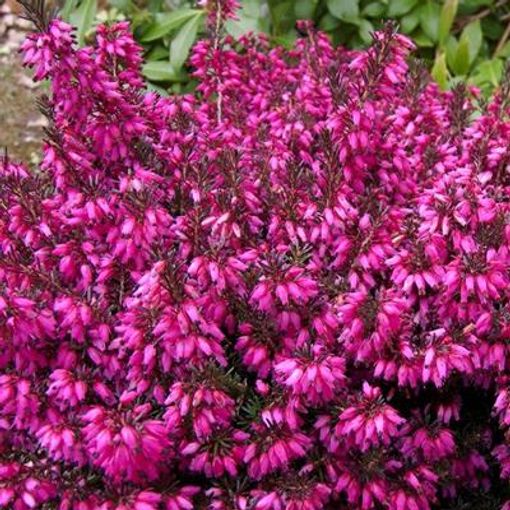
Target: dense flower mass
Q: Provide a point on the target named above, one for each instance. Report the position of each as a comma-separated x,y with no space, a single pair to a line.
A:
289,291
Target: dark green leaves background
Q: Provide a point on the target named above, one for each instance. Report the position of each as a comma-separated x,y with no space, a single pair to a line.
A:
458,39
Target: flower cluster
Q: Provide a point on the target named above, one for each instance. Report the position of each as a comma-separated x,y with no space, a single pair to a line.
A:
287,291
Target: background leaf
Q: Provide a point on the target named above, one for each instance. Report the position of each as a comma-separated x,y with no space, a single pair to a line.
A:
488,75
66,10
429,19
460,64
472,35
162,71
183,41
83,17
465,32
166,22
305,8
400,7
440,71
249,19
448,13
410,21
344,9
374,10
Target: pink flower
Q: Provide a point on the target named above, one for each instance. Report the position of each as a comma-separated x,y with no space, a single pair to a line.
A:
208,408
122,449
274,450
218,456
290,287
371,421
317,379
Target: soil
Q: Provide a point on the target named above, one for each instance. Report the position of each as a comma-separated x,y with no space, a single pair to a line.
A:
21,124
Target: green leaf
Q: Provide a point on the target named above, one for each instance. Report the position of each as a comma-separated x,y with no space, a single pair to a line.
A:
160,90
472,35
305,9
374,10
121,5
410,21
460,64
344,9
448,13
83,17
248,20
162,71
153,6
157,52
471,5
489,72
252,8
440,71
166,22
429,19
451,50
66,10
492,28
504,52
282,16
422,40
365,31
400,7
242,25
328,23
285,40
183,41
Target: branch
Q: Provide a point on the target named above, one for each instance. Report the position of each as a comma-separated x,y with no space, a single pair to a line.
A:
37,12
502,41
479,15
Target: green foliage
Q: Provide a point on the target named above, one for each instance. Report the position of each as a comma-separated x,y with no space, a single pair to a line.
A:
83,18
446,19
458,39
183,41
165,22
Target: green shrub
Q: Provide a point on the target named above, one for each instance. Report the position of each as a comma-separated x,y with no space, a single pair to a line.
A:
459,39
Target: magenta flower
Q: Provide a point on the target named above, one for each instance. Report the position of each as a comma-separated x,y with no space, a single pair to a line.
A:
288,290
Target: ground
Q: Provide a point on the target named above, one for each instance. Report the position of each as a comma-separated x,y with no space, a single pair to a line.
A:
21,123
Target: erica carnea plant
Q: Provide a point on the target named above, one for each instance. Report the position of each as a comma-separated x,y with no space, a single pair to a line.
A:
289,291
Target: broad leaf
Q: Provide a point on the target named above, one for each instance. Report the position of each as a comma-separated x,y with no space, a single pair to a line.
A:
473,36
248,20
166,22
305,9
504,52
429,19
328,23
162,71
242,25
83,17
448,13
460,63
183,41
400,7
374,10
66,10
422,40
410,21
160,90
439,70
488,72
344,9
252,8
451,50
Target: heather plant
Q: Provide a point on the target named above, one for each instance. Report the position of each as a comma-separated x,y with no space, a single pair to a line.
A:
288,291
